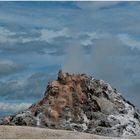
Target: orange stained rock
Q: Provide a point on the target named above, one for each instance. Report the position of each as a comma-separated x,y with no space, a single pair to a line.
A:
53,114
63,92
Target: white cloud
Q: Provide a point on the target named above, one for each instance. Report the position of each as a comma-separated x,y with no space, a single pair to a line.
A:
11,37
24,87
96,5
50,35
92,36
6,32
13,107
5,36
7,62
8,67
129,41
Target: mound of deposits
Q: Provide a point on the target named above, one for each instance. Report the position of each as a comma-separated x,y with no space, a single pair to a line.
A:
79,102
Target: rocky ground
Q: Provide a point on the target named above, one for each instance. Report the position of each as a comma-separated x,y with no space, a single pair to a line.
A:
81,103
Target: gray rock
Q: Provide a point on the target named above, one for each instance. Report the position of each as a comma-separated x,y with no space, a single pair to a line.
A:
81,103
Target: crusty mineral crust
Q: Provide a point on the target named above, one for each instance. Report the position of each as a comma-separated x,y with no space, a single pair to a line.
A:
66,91
81,103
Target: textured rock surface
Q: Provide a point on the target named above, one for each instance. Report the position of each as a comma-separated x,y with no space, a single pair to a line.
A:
81,103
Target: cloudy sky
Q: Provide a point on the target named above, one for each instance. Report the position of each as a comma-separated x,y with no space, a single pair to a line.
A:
101,39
